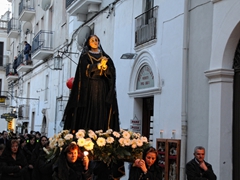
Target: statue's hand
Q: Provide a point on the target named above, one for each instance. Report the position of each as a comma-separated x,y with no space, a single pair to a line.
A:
104,61
104,67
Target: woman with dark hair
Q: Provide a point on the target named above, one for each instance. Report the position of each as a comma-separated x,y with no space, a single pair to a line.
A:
31,143
24,149
92,103
146,168
36,152
72,165
13,163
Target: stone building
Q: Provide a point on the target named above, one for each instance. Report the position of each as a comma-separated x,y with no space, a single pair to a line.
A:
177,69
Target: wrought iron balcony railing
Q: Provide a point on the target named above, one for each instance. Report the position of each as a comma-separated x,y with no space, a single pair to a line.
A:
10,70
13,24
26,5
146,26
42,41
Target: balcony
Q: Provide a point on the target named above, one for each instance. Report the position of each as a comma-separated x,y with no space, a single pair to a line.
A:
13,29
26,10
3,24
82,7
22,65
42,45
23,111
10,74
146,26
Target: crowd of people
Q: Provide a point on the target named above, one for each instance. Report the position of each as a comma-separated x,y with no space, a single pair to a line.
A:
22,156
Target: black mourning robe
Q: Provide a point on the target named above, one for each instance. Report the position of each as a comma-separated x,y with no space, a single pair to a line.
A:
92,103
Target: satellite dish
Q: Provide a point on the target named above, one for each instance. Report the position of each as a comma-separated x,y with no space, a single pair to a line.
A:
46,4
27,28
83,34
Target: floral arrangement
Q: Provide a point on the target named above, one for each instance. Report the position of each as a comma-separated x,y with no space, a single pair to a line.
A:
108,146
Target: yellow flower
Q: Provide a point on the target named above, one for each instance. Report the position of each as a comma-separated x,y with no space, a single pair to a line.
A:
81,142
52,144
109,131
68,137
99,131
89,145
92,134
139,142
80,133
116,134
60,142
126,135
121,141
127,142
110,140
101,141
144,139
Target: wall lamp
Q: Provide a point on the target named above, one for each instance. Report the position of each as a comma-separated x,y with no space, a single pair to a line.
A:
59,58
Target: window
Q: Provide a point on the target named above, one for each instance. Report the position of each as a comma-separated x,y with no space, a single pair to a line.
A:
148,4
1,53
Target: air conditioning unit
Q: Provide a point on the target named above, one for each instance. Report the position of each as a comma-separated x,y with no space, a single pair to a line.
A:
23,111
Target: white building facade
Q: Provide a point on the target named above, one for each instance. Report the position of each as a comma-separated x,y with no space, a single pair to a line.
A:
175,80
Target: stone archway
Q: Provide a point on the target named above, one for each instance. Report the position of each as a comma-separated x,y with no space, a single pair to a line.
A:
221,75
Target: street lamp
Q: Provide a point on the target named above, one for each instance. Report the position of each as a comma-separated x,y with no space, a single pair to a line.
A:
59,58
58,62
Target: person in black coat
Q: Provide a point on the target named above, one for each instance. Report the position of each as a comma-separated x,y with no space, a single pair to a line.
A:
15,64
24,149
146,168
36,152
13,164
72,165
198,168
4,139
43,168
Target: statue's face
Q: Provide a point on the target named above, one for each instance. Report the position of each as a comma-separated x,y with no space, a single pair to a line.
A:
93,42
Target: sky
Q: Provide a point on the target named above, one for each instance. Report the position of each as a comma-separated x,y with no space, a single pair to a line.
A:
4,6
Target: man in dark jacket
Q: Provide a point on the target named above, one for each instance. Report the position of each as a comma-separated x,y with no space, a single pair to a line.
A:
27,53
197,168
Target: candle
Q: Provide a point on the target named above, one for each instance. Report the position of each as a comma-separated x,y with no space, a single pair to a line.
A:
85,153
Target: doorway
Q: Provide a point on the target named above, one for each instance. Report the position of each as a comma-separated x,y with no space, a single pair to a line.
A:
147,112
236,115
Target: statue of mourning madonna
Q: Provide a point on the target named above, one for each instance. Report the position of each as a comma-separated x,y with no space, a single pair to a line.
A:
92,103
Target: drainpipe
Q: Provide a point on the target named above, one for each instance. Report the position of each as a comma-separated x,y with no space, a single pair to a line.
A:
184,91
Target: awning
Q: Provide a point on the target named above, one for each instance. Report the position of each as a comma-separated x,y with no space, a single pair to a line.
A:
8,116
